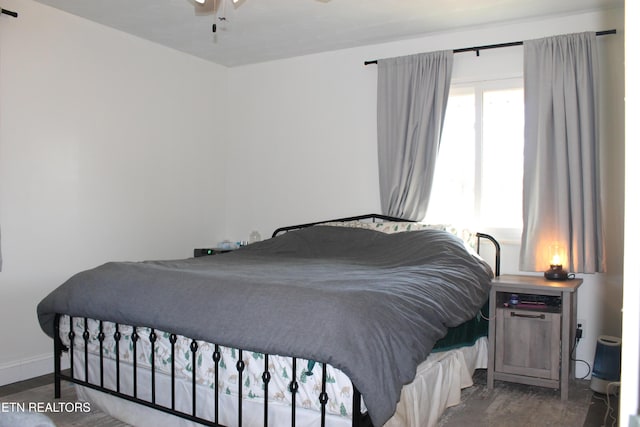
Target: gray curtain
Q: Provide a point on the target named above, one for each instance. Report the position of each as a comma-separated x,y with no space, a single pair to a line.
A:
561,195
412,99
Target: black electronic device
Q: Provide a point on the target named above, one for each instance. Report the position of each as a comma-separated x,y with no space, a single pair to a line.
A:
205,252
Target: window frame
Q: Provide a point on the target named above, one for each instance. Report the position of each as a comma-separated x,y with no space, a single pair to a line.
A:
478,88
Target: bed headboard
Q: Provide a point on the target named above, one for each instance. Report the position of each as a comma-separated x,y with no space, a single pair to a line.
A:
496,247
387,218
370,217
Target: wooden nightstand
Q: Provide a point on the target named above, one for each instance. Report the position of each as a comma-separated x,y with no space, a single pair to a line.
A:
530,339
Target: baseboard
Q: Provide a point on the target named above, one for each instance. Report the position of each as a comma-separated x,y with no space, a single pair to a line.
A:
28,368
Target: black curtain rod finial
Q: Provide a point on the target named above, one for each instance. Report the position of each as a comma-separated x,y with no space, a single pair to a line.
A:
9,12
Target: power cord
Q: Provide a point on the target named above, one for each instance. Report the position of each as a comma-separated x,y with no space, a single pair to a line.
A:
486,317
573,349
611,411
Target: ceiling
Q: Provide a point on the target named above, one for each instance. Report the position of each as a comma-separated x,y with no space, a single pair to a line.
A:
261,30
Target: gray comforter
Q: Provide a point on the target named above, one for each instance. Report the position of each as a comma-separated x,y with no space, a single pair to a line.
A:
368,303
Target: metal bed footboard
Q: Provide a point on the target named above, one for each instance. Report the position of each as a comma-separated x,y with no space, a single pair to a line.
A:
81,343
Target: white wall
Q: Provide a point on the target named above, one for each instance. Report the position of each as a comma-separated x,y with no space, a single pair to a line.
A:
110,148
304,142
304,133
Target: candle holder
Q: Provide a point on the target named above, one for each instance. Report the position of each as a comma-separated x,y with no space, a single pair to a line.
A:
555,271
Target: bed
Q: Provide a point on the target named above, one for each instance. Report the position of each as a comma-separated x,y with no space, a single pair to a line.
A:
319,325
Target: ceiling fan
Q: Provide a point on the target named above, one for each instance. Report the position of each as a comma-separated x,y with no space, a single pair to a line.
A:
212,7
208,7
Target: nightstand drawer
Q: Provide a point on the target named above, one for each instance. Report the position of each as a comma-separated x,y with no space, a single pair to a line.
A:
529,343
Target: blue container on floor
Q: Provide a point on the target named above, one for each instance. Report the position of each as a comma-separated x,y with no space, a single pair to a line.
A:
606,364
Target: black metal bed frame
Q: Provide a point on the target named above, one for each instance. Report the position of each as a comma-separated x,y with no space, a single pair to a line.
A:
98,383
372,217
361,420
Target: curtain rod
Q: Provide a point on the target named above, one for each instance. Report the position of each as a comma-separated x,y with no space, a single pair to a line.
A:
477,49
9,12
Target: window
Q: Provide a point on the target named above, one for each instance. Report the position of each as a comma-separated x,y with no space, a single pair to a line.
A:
478,177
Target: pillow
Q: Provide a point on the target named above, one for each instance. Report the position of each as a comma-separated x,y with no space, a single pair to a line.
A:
390,227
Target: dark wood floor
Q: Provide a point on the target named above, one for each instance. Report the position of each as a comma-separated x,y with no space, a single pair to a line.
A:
508,405
21,386
40,390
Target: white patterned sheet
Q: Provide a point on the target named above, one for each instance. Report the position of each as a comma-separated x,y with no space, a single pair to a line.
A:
338,387
437,386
